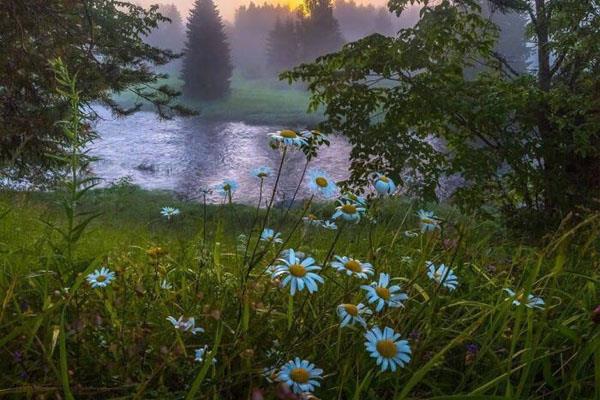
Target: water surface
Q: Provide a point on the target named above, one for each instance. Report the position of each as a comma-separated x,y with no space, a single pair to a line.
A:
186,155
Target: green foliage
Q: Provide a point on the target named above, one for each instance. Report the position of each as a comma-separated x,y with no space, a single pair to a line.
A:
207,65
103,42
118,343
526,143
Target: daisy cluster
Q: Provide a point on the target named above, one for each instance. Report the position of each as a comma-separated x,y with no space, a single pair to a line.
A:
298,272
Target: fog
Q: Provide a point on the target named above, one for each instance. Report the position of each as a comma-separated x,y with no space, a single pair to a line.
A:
228,7
251,27
251,24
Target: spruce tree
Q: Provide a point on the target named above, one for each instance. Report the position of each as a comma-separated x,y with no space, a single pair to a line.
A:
319,30
282,46
207,65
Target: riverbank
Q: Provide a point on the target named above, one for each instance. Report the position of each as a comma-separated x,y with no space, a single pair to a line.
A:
253,101
61,336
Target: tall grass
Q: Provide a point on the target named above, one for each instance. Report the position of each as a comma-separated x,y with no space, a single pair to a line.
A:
61,338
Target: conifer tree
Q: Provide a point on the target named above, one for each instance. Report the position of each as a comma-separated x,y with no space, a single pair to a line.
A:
282,46
319,30
207,65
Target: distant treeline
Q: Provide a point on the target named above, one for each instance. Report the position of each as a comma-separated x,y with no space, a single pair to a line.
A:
259,33
266,39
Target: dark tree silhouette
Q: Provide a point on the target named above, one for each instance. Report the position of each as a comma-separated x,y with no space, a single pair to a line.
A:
250,33
169,34
282,46
207,65
319,31
102,41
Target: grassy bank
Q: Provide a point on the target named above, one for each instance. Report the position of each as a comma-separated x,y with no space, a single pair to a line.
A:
61,337
254,101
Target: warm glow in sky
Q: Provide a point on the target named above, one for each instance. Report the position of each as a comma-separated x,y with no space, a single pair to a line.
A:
227,7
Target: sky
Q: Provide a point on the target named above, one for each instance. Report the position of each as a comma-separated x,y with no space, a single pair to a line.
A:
227,7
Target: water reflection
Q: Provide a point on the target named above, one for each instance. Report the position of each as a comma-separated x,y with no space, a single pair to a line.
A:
188,154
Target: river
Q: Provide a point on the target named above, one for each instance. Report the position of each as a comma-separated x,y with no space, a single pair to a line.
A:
185,155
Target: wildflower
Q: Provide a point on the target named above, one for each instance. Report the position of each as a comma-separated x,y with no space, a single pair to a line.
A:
349,211
262,172
288,138
169,212
442,275
166,285
242,242
269,235
300,375
428,221
329,225
378,292
311,219
596,315
185,325
314,136
383,184
321,183
101,278
354,198
531,301
200,353
286,253
350,314
471,355
385,347
449,244
156,252
299,273
415,335
352,267
227,187
270,374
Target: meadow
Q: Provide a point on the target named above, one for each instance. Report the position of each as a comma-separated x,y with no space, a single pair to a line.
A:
254,101
60,335
120,293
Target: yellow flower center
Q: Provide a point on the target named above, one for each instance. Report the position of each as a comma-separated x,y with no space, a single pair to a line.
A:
262,174
387,348
297,270
384,179
155,251
351,309
100,278
349,208
382,292
354,266
299,375
227,187
427,220
288,134
321,182
312,217
521,297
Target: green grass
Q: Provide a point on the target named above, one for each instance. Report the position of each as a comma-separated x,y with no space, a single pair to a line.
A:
116,342
254,101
